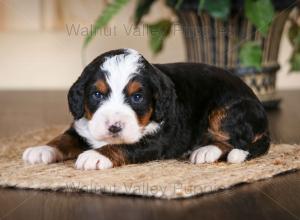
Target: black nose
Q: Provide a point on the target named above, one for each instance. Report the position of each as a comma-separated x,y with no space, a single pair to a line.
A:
114,129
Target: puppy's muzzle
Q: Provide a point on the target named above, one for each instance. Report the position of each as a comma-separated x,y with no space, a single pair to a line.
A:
115,128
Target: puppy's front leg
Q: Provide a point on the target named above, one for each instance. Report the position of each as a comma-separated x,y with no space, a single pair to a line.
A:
66,146
110,156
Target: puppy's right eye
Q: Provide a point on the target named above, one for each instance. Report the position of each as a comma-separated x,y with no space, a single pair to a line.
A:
97,95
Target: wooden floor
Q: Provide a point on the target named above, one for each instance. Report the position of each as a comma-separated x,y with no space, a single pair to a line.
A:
277,198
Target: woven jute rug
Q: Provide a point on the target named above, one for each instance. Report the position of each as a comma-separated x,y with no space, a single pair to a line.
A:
162,179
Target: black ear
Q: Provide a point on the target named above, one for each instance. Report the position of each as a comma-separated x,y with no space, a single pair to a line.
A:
164,95
76,95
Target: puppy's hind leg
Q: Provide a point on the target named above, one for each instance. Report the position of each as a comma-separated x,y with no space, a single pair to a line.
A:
247,126
236,132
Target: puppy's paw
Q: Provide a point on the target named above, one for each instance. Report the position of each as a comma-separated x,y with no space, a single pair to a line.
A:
237,156
206,154
42,154
92,160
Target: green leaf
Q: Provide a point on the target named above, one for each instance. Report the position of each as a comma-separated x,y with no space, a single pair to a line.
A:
260,13
201,5
295,61
142,8
107,14
250,54
219,9
158,33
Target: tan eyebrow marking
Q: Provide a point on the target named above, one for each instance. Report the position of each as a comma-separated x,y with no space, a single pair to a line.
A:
102,86
133,87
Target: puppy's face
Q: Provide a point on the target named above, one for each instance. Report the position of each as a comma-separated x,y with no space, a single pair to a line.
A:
118,99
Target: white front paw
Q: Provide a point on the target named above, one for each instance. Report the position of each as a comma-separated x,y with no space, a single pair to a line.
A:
42,154
237,156
92,160
206,154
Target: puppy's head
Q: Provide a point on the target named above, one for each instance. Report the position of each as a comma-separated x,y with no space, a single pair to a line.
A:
122,97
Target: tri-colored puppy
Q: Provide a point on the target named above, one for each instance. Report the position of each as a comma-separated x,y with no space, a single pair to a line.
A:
127,110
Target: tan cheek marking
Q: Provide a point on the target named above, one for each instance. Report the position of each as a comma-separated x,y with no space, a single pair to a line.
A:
102,86
87,113
144,120
133,87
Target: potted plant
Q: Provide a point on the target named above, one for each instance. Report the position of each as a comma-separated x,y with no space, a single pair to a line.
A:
242,36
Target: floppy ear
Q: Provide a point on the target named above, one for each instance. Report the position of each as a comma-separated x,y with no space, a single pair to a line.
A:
76,95
164,95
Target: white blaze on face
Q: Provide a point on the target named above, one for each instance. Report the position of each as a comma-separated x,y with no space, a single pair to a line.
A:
115,111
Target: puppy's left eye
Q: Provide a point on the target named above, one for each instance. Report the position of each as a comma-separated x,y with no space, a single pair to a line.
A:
137,98
97,95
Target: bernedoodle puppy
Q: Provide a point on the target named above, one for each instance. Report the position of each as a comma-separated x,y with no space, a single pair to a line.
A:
127,110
